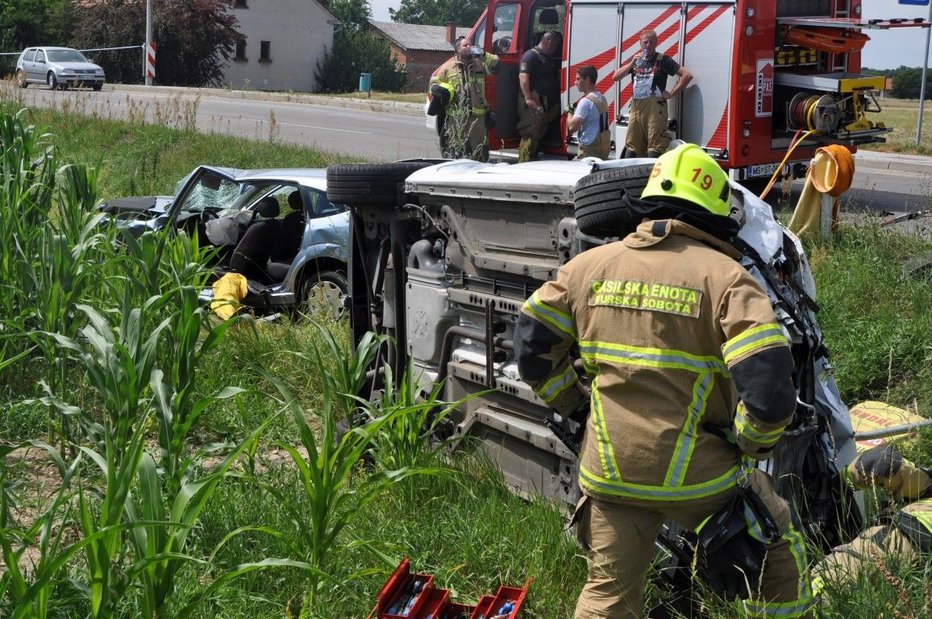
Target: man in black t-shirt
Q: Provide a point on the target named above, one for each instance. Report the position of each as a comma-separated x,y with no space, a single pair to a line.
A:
647,122
539,99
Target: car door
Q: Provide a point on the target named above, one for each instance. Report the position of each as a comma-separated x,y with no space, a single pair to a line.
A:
38,66
29,64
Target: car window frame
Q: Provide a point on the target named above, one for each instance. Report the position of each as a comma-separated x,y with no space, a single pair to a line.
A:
181,199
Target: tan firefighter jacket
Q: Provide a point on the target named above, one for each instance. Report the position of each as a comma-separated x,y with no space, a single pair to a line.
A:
661,318
453,73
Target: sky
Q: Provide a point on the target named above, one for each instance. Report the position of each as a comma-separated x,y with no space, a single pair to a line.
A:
887,49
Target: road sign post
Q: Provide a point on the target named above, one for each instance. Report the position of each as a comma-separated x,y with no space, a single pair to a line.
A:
925,67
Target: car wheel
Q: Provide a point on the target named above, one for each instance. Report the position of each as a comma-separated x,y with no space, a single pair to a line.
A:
324,294
599,210
52,81
370,183
21,79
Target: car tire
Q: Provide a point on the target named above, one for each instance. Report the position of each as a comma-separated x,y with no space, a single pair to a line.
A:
21,79
52,81
323,293
598,205
370,183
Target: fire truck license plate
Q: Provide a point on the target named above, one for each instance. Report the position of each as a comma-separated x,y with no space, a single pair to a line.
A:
763,169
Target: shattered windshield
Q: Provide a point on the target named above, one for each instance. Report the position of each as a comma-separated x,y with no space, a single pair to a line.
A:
211,192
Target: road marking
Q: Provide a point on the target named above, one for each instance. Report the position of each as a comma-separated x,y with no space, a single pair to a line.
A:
318,127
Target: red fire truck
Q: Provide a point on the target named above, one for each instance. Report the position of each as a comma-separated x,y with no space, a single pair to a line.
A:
767,74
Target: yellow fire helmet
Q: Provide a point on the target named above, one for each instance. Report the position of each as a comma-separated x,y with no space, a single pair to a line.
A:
687,172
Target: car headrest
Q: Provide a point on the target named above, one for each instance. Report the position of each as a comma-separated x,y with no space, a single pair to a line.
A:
549,17
268,207
294,200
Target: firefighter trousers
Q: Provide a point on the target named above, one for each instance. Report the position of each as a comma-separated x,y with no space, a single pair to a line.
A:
533,126
619,539
647,127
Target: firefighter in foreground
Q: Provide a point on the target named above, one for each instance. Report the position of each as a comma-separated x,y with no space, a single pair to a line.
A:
457,89
690,381
907,534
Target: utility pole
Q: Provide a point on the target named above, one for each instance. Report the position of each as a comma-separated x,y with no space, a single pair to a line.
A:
922,88
148,46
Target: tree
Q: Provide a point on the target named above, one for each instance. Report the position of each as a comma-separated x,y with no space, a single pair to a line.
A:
356,52
187,55
352,14
31,22
438,12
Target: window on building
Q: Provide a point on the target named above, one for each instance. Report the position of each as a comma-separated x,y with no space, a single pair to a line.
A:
240,4
240,51
265,51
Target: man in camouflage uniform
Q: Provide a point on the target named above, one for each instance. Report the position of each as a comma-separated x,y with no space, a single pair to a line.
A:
461,81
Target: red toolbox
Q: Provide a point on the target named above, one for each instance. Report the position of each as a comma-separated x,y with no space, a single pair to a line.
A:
413,596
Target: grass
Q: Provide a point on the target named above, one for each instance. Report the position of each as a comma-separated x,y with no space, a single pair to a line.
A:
903,116
465,528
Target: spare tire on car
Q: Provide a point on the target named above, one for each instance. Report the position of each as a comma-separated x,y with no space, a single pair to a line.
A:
370,183
598,204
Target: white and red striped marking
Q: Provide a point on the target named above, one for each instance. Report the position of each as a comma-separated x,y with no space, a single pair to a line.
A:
150,60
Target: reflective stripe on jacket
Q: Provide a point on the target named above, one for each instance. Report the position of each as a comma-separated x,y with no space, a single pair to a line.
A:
661,318
451,75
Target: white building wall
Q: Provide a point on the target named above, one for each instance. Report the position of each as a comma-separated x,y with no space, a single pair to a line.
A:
298,32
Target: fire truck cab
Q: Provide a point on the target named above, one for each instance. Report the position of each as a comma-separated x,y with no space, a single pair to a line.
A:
767,74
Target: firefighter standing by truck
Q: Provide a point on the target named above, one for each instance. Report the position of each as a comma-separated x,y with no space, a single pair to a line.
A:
649,70
457,90
670,328
538,93
589,117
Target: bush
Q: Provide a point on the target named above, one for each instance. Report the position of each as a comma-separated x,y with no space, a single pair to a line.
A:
354,53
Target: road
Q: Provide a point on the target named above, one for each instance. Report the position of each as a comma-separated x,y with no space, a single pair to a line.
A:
385,131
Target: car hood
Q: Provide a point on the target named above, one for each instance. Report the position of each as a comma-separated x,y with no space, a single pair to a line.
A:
150,205
83,66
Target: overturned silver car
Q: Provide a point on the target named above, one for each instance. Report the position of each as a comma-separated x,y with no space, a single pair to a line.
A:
443,257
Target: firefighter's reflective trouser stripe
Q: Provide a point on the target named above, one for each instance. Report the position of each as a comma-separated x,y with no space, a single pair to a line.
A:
619,539
647,127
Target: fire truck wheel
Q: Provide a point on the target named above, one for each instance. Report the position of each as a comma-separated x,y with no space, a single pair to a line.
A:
370,183
599,211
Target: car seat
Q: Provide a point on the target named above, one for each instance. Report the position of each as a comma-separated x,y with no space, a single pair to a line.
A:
252,253
291,233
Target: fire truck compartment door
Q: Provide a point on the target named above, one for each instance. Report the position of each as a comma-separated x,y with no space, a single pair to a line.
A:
707,53
593,42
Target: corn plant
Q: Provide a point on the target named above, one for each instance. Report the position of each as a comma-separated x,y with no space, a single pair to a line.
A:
331,498
409,439
27,180
28,586
175,399
346,371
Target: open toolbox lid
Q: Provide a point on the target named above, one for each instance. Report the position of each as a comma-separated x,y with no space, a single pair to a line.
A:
434,603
